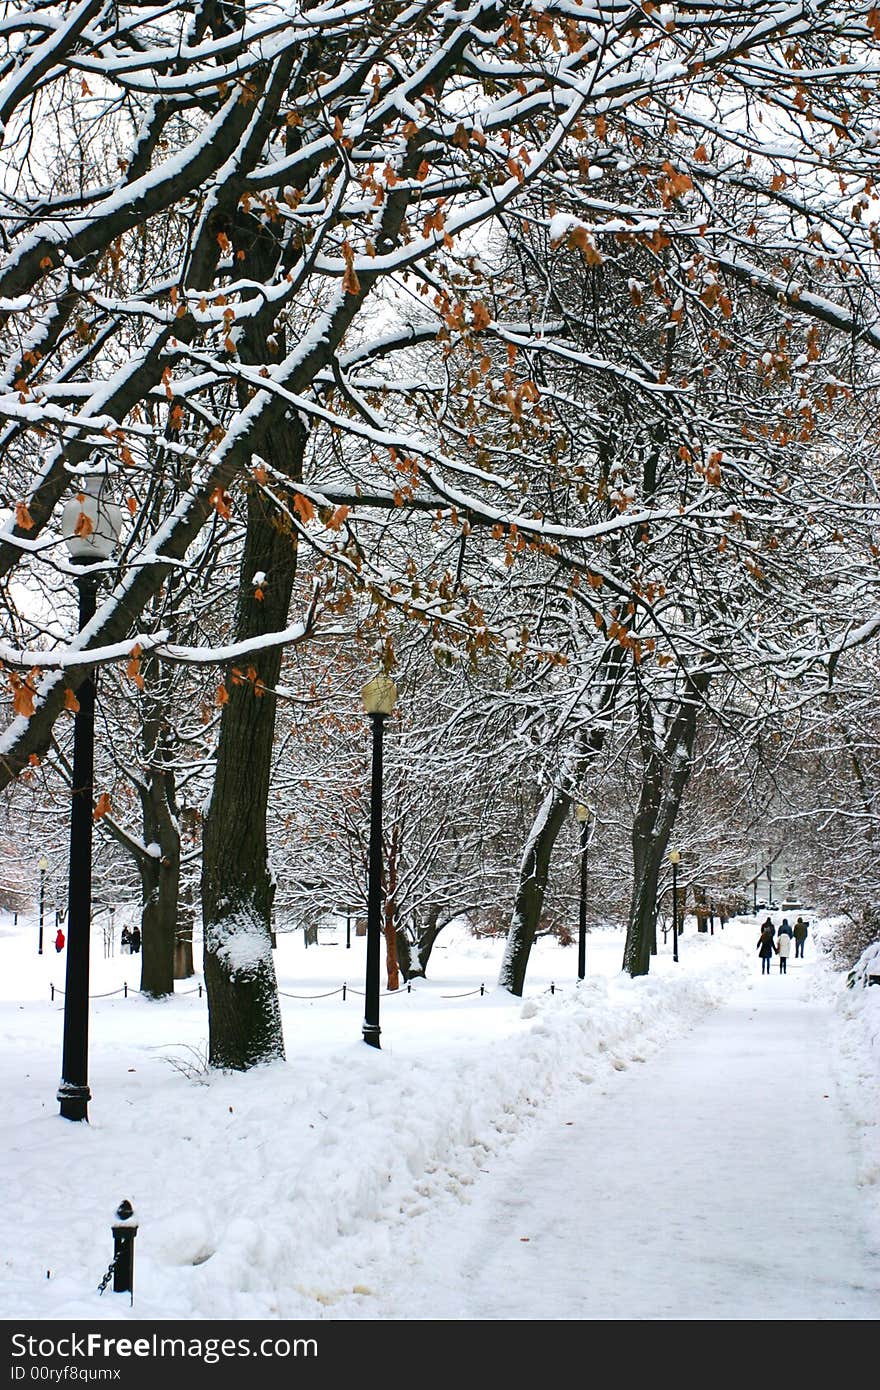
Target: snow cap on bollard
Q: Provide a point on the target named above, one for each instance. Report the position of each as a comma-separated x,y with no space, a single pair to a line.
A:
125,1214
124,1231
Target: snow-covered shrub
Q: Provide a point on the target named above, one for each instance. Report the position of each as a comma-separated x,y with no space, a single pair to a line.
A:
867,968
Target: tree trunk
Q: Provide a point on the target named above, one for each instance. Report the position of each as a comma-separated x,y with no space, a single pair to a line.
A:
647,857
391,914
666,772
158,926
529,902
414,952
184,964
535,864
160,885
237,890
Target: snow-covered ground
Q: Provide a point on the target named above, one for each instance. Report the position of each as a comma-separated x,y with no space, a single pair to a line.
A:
677,1146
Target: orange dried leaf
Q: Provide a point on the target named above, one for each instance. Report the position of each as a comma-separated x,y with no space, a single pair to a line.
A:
22,696
221,502
481,316
335,521
303,506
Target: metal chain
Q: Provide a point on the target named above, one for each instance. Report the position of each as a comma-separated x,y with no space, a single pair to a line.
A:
109,1275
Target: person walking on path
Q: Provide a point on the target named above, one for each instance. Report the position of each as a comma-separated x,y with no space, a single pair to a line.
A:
783,950
766,948
785,929
800,936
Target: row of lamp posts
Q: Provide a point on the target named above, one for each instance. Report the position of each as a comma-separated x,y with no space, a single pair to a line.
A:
91,526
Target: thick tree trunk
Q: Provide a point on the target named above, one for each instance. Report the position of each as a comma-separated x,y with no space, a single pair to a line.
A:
237,890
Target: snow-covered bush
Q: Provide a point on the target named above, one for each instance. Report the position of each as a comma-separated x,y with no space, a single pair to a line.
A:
867,968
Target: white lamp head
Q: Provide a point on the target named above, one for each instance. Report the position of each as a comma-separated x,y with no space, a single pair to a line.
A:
379,695
91,523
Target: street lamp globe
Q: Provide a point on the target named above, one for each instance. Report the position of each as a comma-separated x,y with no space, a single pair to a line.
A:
582,813
42,864
91,522
674,856
379,695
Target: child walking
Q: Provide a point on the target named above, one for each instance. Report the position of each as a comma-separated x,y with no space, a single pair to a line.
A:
783,950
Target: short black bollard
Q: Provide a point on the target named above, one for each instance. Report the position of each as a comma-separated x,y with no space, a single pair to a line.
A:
123,1249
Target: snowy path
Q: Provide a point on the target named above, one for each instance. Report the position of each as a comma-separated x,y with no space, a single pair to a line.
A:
726,1162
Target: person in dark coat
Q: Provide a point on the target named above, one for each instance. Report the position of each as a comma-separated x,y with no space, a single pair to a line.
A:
135,940
125,939
785,929
800,936
766,947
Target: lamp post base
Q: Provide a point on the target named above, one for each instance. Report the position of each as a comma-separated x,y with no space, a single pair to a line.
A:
371,1034
74,1101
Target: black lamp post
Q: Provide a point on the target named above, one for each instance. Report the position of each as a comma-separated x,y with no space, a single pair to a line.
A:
90,524
675,860
379,696
583,818
42,866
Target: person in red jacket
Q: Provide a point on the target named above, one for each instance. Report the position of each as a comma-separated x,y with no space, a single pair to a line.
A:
59,940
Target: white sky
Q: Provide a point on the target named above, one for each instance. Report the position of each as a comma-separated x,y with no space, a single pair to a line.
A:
700,1144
